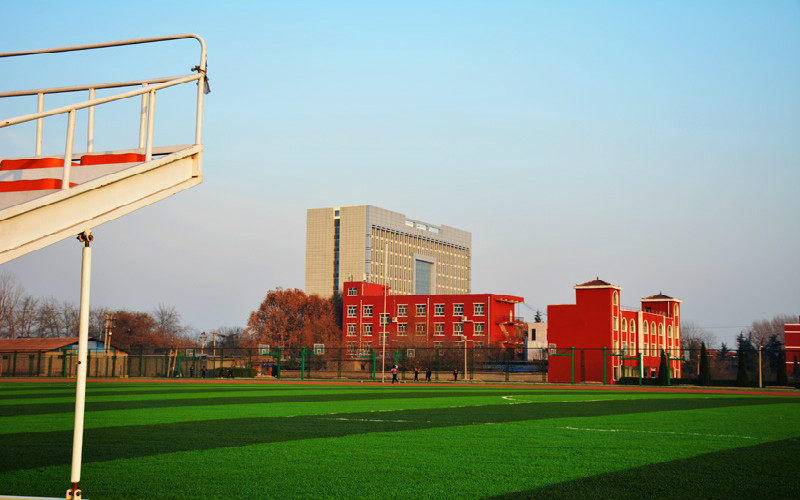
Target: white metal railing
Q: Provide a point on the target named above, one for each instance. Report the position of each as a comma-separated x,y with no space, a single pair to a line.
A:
147,91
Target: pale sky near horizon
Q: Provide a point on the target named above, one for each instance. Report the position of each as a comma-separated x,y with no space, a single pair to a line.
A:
653,144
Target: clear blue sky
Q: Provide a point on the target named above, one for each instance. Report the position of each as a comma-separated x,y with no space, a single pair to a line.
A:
654,144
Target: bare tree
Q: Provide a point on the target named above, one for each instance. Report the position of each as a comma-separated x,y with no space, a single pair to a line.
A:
10,295
25,317
762,330
168,320
692,336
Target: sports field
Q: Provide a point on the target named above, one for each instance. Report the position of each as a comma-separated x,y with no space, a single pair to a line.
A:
283,440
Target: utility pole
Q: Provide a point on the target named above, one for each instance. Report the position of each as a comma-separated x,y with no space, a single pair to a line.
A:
759,366
109,326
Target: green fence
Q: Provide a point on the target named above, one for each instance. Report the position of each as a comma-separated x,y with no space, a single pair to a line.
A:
480,364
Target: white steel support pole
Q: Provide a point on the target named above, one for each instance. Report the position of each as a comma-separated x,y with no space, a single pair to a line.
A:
90,131
68,153
151,109
83,347
143,119
39,124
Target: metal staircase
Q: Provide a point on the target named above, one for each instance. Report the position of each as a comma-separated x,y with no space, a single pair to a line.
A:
44,199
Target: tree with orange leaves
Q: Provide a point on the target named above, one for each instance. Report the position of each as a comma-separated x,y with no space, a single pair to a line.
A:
290,318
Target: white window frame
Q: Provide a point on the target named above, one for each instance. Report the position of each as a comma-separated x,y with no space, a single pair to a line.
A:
478,308
351,291
438,329
479,328
402,310
352,311
367,310
352,329
438,310
384,319
458,328
420,329
366,329
458,309
402,329
422,310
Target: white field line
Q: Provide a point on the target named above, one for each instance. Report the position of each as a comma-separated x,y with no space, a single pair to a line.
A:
374,420
672,433
514,401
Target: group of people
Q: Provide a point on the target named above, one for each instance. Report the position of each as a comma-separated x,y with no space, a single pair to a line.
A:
416,374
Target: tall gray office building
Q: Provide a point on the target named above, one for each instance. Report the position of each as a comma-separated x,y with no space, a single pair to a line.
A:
367,243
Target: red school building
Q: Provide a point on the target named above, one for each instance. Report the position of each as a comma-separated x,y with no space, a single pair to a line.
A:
597,321
424,320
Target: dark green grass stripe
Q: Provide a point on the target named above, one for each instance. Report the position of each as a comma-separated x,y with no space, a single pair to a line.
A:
764,471
27,450
265,397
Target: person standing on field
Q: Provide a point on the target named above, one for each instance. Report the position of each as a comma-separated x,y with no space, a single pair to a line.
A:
455,375
416,374
427,374
394,374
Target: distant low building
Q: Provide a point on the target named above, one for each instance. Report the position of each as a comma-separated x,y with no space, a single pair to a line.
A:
535,341
57,357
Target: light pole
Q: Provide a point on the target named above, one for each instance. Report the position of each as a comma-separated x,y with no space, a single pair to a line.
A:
203,344
759,366
464,334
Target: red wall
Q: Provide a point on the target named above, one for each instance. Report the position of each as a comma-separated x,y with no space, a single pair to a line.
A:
792,332
589,326
497,309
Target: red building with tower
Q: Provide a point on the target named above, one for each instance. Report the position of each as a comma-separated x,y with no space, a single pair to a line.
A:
602,333
425,320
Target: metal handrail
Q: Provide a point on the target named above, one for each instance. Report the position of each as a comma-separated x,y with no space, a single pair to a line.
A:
148,92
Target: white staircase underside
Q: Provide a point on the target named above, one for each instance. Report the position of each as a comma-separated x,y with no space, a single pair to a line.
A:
31,220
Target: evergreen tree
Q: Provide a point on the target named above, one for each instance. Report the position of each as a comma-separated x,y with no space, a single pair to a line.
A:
705,366
742,378
781,379
662,369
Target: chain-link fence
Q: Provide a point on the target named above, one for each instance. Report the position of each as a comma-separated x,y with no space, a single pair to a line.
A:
479,364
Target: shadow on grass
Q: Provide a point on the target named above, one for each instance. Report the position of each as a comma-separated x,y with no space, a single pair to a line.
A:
39,449
764,471
236,397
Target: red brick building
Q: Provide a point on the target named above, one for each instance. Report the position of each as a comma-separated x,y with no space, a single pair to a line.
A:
425,320
597,321
792,342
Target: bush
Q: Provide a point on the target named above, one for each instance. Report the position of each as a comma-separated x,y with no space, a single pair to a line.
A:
237,371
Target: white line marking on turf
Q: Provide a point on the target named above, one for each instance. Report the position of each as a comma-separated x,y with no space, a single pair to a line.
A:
658,432
514,401
375,420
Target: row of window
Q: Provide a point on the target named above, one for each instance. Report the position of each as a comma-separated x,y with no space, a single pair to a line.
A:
644,327
366,347
420,328
421,309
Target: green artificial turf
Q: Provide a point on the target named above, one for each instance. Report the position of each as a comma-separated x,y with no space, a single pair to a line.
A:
211,440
